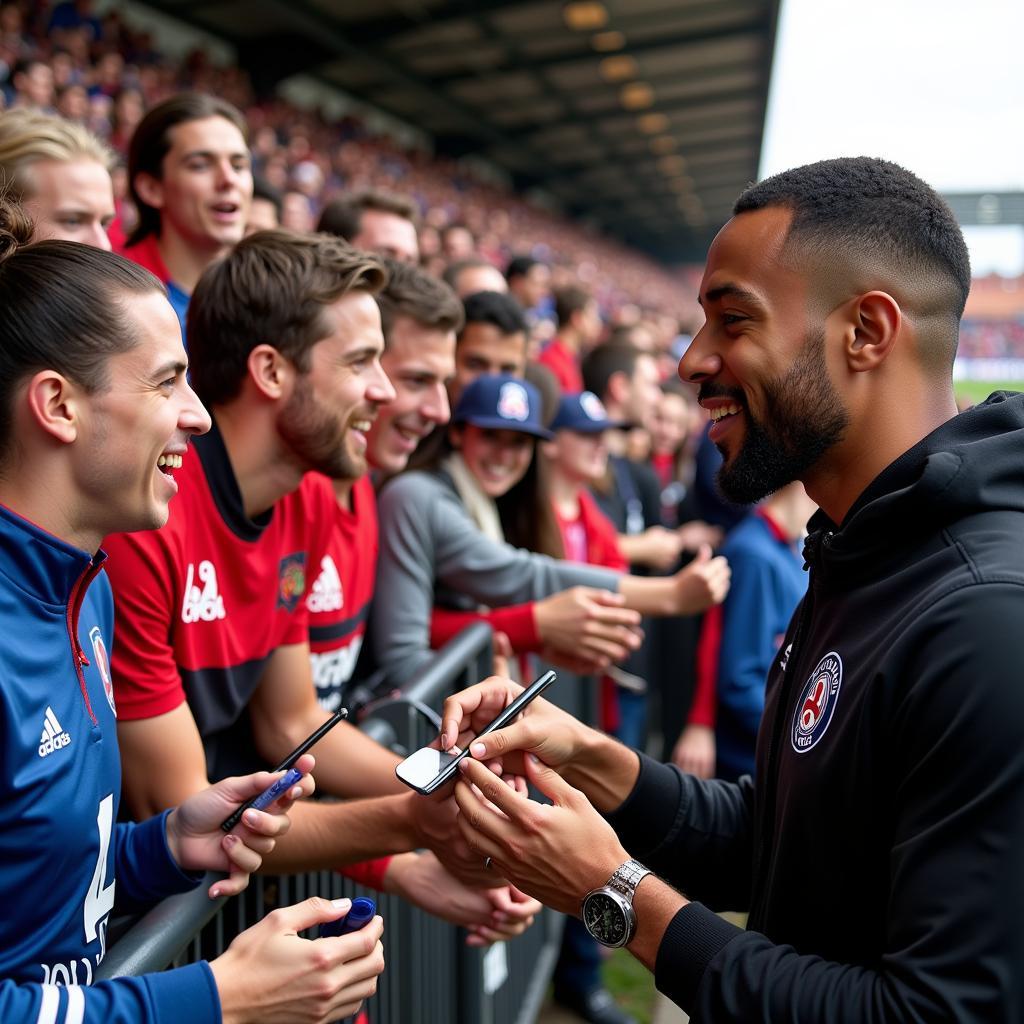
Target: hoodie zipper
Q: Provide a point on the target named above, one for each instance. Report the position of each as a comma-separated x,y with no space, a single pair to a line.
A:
71,617
812,552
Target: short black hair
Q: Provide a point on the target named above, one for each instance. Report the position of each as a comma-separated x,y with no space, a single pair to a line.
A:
603,362
876,210
262,189
496,308
520,266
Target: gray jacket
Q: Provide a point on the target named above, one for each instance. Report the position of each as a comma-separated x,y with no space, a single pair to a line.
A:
429,547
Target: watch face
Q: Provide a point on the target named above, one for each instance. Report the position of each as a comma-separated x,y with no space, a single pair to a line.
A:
604,919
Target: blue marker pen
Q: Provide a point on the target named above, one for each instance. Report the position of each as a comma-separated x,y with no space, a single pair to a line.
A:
358,917
265,799
271,793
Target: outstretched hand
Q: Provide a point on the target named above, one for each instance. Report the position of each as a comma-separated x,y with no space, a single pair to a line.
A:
197,843
556,852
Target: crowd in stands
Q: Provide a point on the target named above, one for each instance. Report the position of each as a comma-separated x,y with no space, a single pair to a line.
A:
105,74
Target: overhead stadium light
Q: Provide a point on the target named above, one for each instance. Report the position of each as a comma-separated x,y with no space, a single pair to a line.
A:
618,68
585,15
664,144
636,96
652,124
606,42
672,165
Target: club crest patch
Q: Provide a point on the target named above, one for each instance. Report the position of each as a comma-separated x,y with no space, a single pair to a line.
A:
817,704
291,582
102,663
591,405
513,402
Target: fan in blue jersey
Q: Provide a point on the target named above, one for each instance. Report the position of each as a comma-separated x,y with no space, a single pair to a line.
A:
95,414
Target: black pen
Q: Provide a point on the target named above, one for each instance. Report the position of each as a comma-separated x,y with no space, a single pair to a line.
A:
311,740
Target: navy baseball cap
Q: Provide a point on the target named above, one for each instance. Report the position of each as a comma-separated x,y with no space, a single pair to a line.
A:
584,413
501,402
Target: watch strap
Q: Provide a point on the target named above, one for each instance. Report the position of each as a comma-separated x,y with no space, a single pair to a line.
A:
627,877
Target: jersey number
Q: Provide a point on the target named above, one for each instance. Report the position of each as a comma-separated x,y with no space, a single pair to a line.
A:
100,898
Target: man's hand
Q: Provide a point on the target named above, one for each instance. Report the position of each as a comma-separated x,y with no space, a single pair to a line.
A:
270,974
197,843
694,751
434,820
490,915
702,583
544,729
589,625
555,852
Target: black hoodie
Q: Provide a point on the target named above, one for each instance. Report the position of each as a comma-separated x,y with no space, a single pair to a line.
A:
881,851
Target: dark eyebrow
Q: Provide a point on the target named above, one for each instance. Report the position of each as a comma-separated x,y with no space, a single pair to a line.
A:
171,367
370,351
732,291
209,154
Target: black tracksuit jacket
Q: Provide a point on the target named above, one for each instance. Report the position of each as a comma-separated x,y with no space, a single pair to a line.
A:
881,850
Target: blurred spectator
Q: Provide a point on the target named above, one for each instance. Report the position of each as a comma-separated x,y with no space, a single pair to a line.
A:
296,214
529,280
73,103
33,85
60,173
265,208
190,177
474,274
579,329
380,222
457,242
740,639
492,340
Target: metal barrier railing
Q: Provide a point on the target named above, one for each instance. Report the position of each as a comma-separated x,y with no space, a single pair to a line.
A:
431,977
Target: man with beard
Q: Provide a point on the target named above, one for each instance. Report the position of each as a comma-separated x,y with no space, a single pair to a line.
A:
878,849
212,666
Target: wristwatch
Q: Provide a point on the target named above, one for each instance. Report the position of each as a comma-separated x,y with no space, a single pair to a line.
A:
608,912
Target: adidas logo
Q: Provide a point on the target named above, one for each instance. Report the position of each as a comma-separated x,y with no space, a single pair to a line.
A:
53,737
201,603
326,595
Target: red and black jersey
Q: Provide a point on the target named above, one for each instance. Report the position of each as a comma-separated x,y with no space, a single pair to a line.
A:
203,602
338,600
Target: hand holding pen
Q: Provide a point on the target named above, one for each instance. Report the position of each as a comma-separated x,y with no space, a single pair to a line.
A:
194,834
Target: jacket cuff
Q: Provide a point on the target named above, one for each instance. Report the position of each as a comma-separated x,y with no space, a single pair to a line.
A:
649,813
691,940
190,988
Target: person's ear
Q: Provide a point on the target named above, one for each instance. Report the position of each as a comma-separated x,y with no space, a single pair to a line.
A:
874,321
55,404
150,190
273,374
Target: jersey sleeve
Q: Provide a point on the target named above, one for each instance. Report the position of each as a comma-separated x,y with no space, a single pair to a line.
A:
142,576
146,871
517,622
166,997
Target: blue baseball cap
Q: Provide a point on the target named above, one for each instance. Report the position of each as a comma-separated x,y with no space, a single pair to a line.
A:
584,413
501,402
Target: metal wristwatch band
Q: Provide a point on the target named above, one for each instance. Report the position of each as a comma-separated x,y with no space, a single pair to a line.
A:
627,877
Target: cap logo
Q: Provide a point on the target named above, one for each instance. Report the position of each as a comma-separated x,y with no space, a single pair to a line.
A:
813,713
513,402
591,405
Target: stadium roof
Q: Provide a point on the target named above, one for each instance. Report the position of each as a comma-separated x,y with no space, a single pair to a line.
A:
643,116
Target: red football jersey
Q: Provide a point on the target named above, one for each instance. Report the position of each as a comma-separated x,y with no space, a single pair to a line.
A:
338,601
203,602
